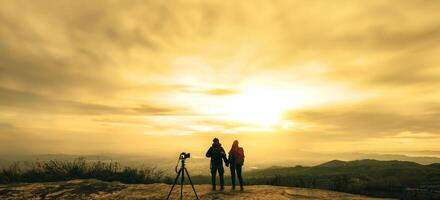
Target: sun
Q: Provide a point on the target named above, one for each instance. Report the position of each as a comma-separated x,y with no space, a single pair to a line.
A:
262,107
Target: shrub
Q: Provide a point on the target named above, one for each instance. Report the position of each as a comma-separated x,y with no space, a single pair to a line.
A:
56,170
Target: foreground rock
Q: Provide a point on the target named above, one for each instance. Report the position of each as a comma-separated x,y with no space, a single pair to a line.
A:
95,189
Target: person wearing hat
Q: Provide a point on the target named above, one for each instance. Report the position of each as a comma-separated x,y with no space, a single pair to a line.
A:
218,156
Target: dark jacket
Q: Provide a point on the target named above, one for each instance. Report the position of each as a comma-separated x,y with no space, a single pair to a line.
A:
217,155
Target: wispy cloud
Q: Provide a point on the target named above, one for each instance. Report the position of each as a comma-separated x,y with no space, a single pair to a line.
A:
368,120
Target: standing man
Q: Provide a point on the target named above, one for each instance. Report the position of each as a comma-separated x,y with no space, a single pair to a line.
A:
217,155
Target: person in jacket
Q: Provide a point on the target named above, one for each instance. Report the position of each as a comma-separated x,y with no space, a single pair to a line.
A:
236,161
217,155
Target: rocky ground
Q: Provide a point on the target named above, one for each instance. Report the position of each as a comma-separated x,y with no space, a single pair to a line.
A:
95,189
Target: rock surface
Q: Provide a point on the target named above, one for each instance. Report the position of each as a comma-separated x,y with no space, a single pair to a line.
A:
95,189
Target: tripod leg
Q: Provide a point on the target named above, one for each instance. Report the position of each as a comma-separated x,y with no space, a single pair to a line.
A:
181,183
189,178
174,184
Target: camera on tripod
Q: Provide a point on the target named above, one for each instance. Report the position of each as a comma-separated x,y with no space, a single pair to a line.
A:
184,155
181,173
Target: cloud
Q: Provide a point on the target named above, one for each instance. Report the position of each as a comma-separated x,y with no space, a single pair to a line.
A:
27,101
224,124
212,91
221,92
367,120
161,110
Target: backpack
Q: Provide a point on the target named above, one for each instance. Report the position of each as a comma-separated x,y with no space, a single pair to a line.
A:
239,156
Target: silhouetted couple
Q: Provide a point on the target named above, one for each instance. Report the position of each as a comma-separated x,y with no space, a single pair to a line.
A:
235,161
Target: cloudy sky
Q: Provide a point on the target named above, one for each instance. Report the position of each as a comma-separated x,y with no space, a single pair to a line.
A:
140,76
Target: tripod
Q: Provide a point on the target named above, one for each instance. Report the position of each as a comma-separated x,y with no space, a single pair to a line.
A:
181,173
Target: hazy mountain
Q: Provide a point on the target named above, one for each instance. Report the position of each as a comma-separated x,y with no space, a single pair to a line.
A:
398,179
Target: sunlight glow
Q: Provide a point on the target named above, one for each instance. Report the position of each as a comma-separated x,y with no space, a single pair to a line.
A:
260,106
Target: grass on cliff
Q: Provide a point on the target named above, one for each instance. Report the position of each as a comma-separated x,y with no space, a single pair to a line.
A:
58,170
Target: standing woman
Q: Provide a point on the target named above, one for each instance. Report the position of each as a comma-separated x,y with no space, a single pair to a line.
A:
236,160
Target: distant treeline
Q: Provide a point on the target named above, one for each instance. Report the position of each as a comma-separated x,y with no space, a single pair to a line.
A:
394,179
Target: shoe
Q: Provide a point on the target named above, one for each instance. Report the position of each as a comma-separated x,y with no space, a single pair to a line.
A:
222,188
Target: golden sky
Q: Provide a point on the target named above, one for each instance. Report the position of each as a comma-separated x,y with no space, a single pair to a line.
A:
140,76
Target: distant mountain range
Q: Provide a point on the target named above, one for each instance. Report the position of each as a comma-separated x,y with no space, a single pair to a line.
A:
418,159
199,164
297,157
397,179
